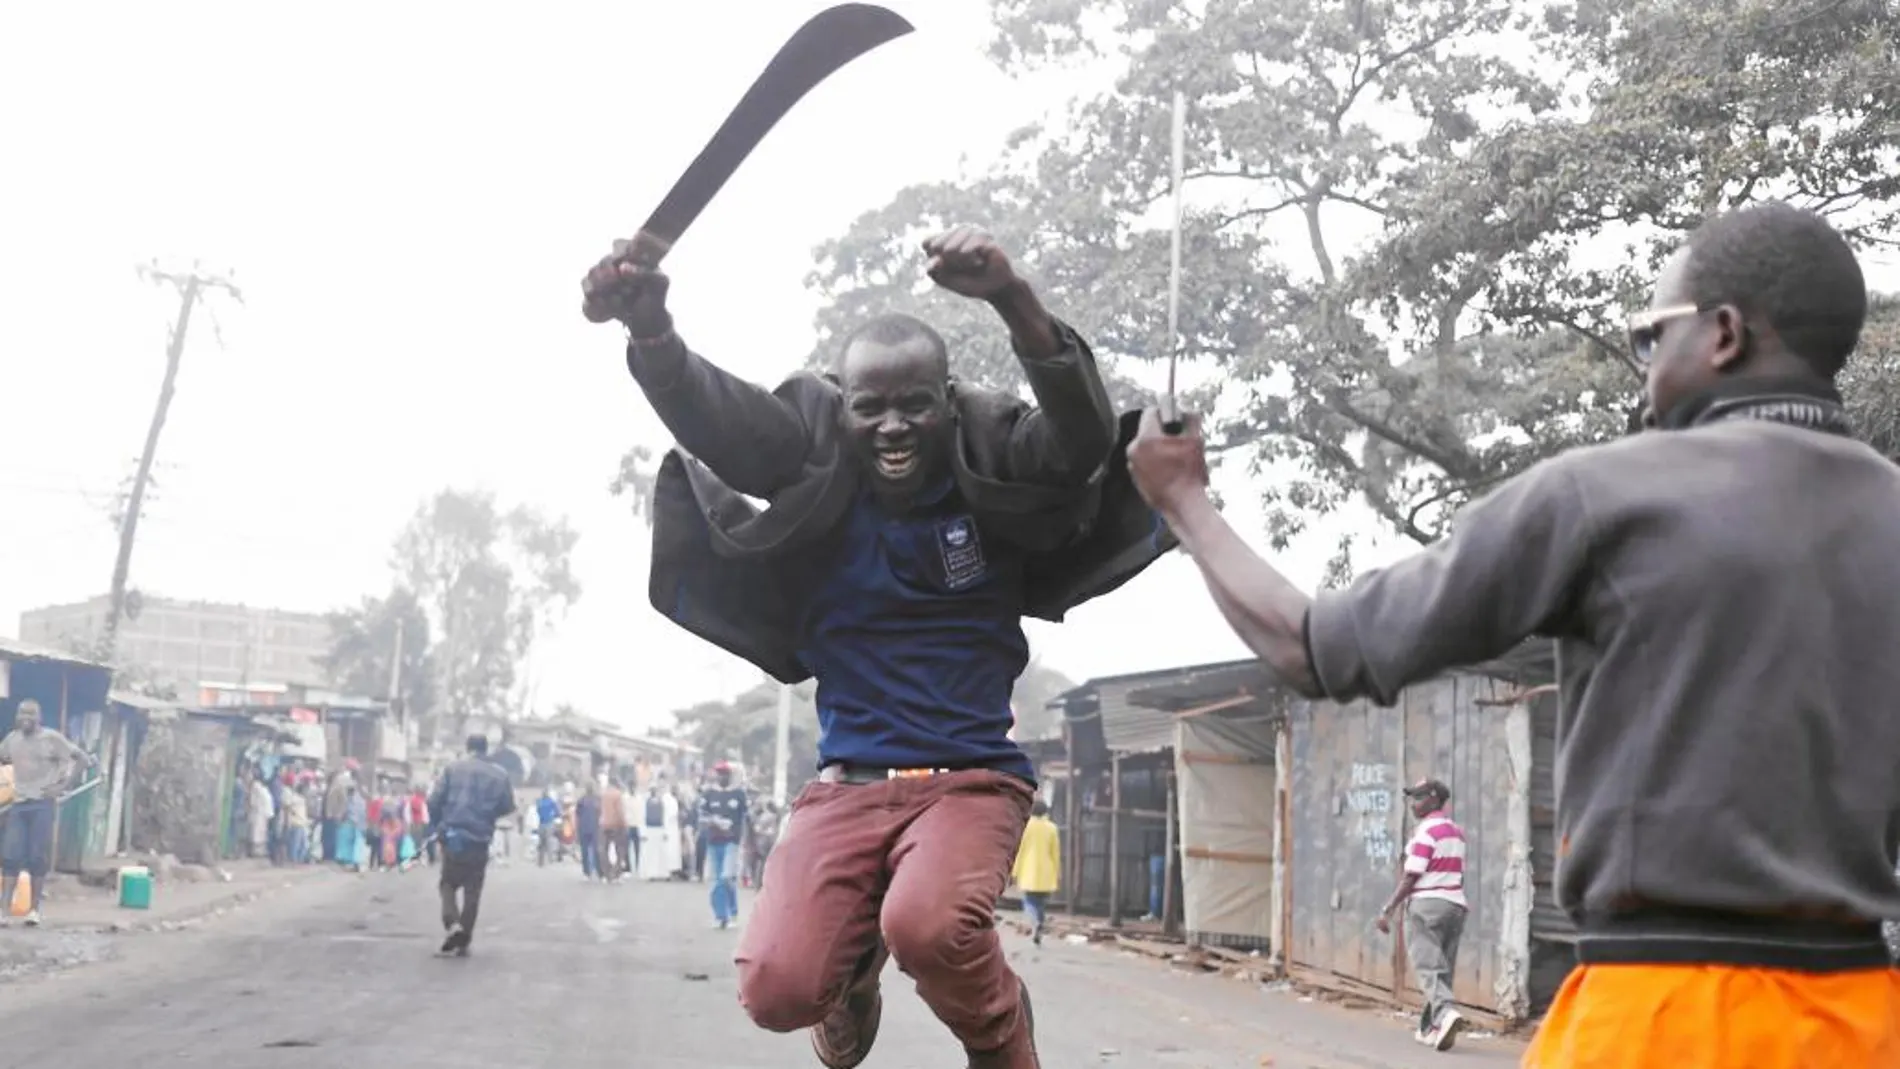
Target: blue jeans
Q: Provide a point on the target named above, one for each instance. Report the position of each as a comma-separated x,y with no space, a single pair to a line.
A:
28,846
720,859
590,855
297,845
1036,906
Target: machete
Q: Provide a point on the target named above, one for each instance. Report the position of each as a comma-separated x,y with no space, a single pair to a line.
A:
821,47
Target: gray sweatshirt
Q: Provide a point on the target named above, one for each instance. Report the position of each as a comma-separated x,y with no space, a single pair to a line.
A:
1726,604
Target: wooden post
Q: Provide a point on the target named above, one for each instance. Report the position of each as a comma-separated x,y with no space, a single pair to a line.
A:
1170,867
1115,842
1072,854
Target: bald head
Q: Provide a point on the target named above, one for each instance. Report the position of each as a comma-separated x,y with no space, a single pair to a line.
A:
895,332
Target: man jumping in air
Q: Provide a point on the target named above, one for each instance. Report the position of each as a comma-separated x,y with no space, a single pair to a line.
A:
1725,595
912,522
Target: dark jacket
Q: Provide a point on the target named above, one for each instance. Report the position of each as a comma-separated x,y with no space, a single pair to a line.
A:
1050,478
471,796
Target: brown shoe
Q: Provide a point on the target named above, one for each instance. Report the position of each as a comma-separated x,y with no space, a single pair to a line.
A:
1019,1052
843,1040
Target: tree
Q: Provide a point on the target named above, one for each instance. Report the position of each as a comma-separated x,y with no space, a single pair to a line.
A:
491,584
363,642
1412,227
745,729
634,481
1871,381
1034,688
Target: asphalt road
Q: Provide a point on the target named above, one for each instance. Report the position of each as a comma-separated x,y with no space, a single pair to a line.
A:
340,972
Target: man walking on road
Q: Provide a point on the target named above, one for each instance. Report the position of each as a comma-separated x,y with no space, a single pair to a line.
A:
612,855
472,795
1432,893
723,810
911,524
1725,598
43,761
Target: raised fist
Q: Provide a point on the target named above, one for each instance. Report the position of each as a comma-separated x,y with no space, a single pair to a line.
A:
625,286
968,261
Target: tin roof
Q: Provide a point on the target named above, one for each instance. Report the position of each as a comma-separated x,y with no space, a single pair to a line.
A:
13,649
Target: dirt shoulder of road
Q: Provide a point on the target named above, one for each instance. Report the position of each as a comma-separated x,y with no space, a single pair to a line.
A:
1262,974
82,920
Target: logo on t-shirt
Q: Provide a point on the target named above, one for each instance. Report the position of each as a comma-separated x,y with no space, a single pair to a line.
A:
962,552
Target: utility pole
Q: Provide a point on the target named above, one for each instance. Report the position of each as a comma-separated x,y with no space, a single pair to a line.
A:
192,287
783,755
395,674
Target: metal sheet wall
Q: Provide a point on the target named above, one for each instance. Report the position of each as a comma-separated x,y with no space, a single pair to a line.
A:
1548,922
1350,824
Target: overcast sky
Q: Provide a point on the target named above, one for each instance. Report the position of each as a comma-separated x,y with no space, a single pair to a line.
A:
408,194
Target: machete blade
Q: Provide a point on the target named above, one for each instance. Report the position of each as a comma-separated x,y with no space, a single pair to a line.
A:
823,45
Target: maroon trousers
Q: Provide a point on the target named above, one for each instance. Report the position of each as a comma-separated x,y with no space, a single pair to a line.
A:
919,862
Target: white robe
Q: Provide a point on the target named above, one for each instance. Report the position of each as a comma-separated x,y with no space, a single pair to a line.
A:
659,847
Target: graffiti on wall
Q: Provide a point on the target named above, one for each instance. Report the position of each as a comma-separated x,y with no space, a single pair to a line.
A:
1369,799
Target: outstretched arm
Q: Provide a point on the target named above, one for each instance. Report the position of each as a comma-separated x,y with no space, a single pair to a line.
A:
1071,433
754,441
1511,569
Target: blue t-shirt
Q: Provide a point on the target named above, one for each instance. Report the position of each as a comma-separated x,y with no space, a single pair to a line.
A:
913,628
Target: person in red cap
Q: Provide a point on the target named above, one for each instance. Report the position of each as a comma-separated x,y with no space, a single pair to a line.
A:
723,811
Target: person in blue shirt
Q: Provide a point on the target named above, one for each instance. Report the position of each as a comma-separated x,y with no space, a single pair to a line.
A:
911,521
547,813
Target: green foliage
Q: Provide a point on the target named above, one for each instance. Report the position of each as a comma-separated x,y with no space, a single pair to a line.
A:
1413,228
363,646
1871,380
491,584
634,481
1034,688
745,729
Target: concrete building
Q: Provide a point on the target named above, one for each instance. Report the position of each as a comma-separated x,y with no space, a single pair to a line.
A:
191,642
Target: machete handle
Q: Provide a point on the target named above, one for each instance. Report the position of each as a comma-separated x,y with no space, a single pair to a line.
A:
646,249
1172,422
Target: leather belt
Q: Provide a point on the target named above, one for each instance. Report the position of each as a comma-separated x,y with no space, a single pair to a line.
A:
859,774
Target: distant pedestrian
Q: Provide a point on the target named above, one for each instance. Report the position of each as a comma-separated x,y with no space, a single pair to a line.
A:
296,828
1432,892
1038,865
43,761
587,830
765,829
723,813
612,856
420,830
470,798
261,810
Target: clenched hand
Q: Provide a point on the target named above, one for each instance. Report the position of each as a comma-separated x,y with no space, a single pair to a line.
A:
625,286
968,262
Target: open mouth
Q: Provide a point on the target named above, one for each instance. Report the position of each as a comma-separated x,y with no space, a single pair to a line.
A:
896,462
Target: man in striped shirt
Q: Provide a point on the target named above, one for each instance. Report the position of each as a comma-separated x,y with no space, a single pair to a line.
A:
1432,890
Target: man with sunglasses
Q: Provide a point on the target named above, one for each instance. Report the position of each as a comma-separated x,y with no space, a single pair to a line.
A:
1724,591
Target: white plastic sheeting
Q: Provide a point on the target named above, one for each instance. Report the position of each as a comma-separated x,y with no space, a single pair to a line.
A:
1225,772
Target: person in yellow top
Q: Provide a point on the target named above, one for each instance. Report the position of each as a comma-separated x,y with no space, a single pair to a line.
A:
1038,863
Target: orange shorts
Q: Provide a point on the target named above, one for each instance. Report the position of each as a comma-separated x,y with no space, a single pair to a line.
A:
1720,1017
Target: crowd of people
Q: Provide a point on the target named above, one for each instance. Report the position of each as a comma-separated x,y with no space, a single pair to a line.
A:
293,813
714,829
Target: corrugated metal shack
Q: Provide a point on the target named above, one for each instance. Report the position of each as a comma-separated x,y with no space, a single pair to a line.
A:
1488,732
1114,810
1124,852
71,692
1227,799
